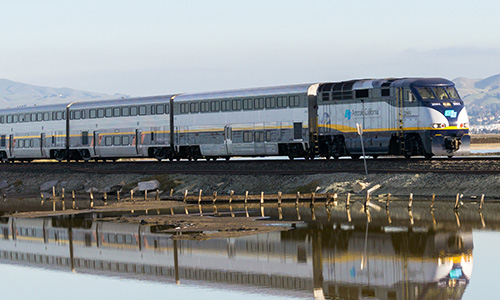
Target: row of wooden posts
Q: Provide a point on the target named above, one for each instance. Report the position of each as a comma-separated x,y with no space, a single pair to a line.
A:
330,198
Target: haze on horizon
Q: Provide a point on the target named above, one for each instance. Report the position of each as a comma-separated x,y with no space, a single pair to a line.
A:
160,47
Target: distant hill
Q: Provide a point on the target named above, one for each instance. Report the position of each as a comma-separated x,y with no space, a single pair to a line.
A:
13,94
479,91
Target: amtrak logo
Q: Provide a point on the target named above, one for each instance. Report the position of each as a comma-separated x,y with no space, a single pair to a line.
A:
450,113
347,114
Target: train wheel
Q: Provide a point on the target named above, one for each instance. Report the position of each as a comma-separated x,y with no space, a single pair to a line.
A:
407,155
450,156
375,156
228,158
290,157
335,157
428,155
355,156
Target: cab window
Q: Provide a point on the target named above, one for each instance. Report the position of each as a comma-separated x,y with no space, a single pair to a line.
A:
426,94
441,93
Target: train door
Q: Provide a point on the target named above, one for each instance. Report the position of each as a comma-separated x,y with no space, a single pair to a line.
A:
11,144
228,139
138,140
95,143
42,144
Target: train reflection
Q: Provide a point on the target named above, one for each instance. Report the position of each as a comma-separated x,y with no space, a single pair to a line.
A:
327,259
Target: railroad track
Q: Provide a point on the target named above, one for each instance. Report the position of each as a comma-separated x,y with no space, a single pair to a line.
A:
466,165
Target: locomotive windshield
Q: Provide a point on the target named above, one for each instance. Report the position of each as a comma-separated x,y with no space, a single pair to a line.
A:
438,93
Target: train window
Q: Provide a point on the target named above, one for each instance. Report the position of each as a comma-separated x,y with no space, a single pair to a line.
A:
119,238
108,141
126,141
409,96
194,107
184,108
282,102
45,116
441,93
85,138
100,113
259,136
452,92
15,118
33,117
364,93
152,135
93,114
167,108
2,119
117,140
258,103
268,135
32,143
9,119
133,111
247,104
152,110
125,111
160,109
116,112
385,92
108,112
39,116
225,105
236,105
270,102
204,107
3,141
214,105
20,143
294,101
426,93
247,137
77,115
64,115
21,118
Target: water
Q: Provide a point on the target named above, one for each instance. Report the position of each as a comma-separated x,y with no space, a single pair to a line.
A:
329,254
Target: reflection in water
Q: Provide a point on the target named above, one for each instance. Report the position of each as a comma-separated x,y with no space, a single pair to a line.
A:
331,255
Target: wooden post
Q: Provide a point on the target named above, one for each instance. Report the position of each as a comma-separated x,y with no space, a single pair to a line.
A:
118,196
53,205
348,200
62,194
388,201
482,202
157,197
231,196
456,201
279,198
199,196
433,199
313,198
145,195
215,197
367,200
105,198
185,195
335,199
171,192
73,206
246,197
410,202
91,199
53,191
261,198
63,206
42,198
328,199
132,195
297,199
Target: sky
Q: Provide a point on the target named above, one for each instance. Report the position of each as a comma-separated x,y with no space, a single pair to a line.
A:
153,47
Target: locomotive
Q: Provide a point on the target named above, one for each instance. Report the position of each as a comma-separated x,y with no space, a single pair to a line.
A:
399,116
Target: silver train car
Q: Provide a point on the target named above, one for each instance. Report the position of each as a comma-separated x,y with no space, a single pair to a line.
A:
407,116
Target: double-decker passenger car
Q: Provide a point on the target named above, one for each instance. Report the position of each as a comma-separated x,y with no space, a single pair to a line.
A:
407,116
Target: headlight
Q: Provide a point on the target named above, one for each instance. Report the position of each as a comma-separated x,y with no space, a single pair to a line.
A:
438,125
464,125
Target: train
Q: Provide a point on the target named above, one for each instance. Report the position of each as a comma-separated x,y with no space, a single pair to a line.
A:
393,116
